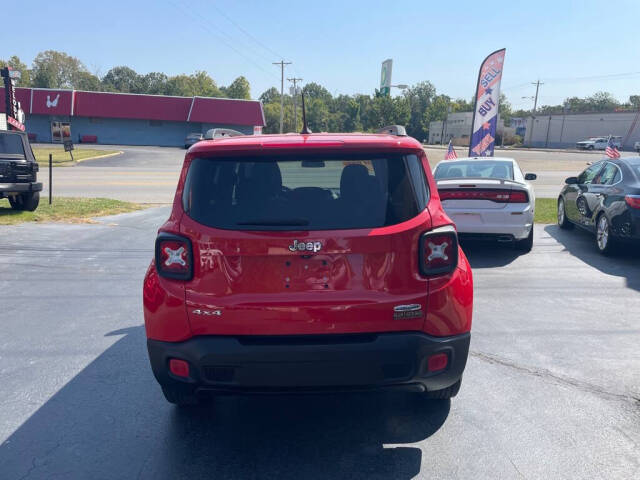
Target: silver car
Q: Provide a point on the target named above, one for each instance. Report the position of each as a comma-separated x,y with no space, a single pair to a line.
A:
192,138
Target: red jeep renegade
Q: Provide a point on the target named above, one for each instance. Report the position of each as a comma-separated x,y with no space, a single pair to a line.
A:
311,262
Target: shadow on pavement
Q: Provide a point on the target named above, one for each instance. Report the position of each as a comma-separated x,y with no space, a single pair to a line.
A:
111,421
623,262
485,254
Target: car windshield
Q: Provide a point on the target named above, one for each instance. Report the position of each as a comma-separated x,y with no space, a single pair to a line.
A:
11,144
309,193
475,169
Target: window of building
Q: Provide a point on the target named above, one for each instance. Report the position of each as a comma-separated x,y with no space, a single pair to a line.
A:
155,123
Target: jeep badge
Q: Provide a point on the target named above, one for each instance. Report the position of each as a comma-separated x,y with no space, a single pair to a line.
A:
305,246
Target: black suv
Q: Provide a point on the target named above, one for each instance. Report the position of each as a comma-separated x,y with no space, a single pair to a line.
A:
18,170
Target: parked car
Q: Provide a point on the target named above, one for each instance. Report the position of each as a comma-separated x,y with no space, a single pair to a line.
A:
488,198
192,138
604,199
18,171
636,147
315,262
599,143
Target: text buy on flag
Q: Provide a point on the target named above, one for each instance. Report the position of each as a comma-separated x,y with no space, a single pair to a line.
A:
485,114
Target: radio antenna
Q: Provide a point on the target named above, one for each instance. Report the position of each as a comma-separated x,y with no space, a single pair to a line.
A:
305,128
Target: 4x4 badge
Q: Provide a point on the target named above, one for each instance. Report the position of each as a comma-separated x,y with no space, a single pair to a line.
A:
305,246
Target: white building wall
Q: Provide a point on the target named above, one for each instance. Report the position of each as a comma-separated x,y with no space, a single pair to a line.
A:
563,131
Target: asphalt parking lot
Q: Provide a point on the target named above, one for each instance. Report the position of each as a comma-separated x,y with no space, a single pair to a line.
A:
551,390
150,174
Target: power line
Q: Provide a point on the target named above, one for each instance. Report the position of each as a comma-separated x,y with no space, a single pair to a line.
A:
258,42
216,34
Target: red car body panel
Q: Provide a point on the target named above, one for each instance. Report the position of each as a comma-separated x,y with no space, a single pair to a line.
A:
263,288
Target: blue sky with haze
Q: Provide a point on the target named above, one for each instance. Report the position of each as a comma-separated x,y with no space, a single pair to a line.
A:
341,44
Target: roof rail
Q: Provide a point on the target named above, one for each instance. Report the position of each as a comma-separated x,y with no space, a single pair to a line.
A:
221,132
397,130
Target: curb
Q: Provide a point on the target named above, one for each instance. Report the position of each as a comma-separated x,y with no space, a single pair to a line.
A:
75,162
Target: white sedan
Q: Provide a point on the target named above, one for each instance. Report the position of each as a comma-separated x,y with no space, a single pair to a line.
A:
488,198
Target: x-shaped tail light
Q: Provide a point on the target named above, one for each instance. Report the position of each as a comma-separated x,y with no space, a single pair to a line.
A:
438,251
174,256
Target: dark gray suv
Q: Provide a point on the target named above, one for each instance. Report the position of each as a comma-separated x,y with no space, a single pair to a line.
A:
18,169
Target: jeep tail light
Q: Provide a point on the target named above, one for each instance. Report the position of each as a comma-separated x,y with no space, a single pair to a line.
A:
633,201
174,256
438,251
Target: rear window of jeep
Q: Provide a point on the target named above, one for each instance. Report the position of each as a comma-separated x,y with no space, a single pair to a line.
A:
11,144
305,193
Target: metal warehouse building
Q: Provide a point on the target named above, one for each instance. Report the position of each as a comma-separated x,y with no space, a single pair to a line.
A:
129,119
565,130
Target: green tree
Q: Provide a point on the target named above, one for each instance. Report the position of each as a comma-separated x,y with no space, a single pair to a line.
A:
123,79
318,92
15,63
197,84
52,69
419,97
270,96
239,88
155,83
87,81
634,100
504,109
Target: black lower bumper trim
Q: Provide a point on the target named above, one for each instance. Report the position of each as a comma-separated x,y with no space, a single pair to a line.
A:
311,364
20,187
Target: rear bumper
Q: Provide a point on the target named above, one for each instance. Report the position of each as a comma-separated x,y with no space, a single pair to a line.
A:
259,364
514,220
20,187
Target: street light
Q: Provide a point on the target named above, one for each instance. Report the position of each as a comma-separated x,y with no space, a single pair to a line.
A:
401,86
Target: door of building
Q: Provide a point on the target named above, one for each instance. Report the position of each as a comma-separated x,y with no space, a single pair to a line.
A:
60,131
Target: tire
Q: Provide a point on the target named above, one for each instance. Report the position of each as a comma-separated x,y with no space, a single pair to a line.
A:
180,396
25,201
590,147
445,393
563,221
525,245
604,239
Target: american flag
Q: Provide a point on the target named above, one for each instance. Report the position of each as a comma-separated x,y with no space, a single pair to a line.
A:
451,153
611,150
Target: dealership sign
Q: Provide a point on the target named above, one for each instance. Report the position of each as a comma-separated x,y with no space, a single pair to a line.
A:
487,102
385,77
15,123
14,112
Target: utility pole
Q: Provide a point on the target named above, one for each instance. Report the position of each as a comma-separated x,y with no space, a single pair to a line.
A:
282,63
295,108
535,105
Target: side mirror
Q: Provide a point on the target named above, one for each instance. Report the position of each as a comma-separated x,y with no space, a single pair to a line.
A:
530,176
571,181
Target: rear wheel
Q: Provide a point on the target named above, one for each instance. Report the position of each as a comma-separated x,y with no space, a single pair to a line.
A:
525,245
180,396
604,242
563,221
25,201
445,393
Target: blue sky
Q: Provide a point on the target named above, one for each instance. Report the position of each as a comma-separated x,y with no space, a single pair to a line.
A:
341,44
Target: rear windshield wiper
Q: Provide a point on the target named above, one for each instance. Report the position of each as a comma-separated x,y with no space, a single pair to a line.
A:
276,222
